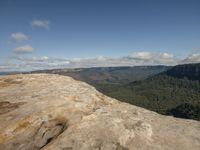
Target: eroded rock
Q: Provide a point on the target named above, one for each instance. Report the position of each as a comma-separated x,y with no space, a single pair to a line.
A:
48,131
52,112
6,106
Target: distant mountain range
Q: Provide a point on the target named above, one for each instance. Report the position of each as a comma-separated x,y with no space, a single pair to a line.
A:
189,71
109,74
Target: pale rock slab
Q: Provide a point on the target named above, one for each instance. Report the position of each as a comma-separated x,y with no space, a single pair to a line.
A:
52,112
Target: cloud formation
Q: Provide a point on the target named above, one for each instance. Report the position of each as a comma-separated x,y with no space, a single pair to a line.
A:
23,49
134,59
31,59
40,23
22,63
154,58
193,58
19,36
36,63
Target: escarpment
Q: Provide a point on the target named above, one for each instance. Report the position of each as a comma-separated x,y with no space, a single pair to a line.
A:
53,112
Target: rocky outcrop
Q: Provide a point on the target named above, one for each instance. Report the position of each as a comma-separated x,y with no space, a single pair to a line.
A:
52,112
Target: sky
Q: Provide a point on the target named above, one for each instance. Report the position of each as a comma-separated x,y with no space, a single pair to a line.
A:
46,34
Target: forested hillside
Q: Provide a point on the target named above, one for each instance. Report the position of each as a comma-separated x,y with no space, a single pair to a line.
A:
189,71
172,93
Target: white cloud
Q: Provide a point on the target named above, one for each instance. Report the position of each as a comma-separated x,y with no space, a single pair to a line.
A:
22,63
101,58
167,56
141,55
19,36
6,67
40,23
24,49
193,58
35,63
153,58
76,60
44,58
31,59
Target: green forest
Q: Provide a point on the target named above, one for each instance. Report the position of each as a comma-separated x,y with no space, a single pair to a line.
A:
164,94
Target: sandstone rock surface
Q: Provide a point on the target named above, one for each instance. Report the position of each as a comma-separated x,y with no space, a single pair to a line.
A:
52,112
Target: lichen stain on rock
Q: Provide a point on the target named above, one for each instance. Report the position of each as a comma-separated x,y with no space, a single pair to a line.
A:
9,82
6,106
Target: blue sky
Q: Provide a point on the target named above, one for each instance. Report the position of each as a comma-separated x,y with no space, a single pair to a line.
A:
37,34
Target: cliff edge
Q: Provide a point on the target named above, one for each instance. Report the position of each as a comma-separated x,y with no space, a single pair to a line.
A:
53,112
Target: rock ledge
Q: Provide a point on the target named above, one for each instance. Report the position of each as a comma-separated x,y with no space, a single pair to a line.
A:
52,112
